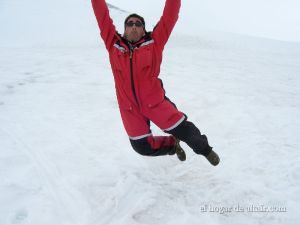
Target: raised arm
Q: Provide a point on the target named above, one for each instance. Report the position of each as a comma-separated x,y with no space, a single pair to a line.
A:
105,23
164,27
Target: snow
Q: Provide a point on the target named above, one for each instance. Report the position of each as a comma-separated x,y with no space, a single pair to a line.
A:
65,157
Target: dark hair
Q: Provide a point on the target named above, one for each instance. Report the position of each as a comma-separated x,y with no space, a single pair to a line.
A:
135,16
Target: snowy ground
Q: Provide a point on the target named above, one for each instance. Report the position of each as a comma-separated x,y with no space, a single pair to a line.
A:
65,158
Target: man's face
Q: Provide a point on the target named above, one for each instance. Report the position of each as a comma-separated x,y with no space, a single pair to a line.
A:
134,29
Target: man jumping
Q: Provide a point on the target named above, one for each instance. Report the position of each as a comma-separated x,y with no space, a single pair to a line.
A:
135,59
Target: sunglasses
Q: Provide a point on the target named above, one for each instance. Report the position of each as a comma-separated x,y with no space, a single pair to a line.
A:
137,24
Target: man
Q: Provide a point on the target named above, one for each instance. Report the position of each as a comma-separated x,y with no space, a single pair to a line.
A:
135,60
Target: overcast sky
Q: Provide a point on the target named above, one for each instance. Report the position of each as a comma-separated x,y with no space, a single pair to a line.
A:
277,19
69,21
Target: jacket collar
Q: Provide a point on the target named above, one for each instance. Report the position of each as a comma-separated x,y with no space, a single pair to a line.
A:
145,38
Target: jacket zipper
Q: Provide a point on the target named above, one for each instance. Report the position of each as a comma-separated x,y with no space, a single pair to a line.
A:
131,76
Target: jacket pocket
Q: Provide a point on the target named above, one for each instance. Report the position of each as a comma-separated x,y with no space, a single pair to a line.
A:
154,101
123,102
153,94
117,59
145,58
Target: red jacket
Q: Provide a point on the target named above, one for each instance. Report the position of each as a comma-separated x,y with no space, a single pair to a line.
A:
136,74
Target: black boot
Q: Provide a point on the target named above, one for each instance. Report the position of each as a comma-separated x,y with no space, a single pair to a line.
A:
213,158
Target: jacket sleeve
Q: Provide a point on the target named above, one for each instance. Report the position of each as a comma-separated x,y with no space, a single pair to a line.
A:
105,23
164,27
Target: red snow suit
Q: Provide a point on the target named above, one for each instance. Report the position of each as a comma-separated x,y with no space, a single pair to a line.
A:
139,91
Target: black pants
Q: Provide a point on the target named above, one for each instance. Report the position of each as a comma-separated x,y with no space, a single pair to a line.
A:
186,132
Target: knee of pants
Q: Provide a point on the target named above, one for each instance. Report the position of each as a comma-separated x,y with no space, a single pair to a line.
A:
142,146
185,131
